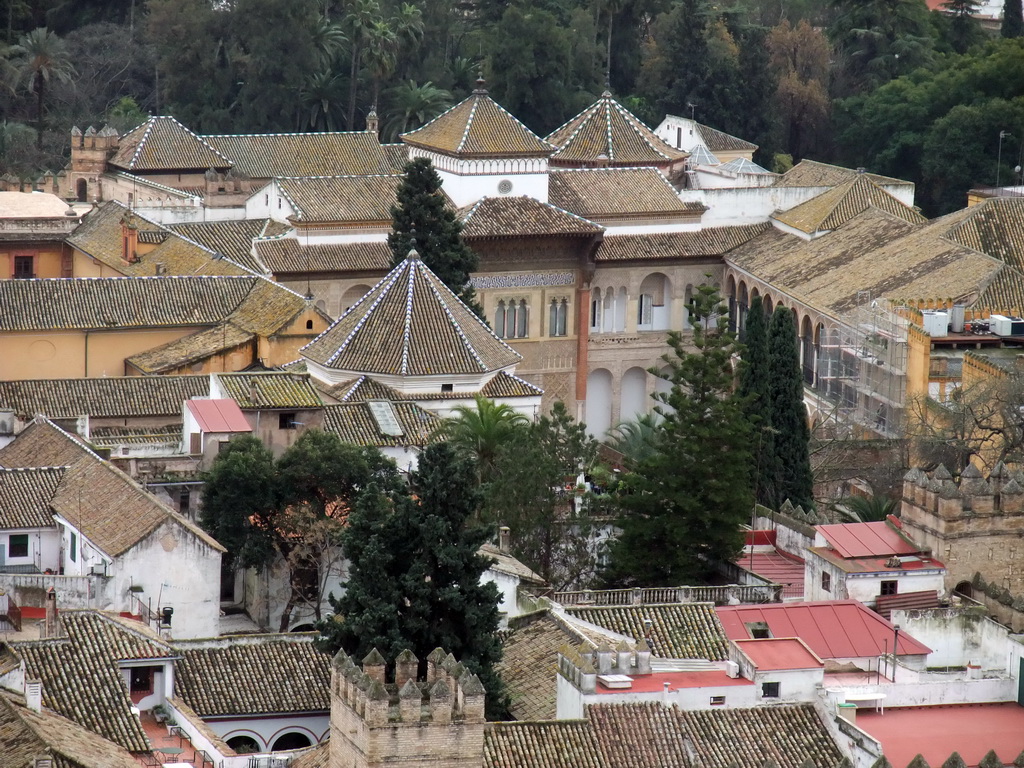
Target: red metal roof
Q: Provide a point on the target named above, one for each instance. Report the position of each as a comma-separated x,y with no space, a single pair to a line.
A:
779,568
837,629
218,416
867,540
780,653
877,564
938,731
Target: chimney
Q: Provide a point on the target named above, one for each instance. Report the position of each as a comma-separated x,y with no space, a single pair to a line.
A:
51,628
504,538
129,240
160,268
34,695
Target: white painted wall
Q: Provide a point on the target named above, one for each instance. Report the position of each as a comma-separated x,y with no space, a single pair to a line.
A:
43,547
267,730
958,637
268,202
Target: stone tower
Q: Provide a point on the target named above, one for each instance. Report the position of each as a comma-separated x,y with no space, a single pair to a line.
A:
975,525
436,722
89,154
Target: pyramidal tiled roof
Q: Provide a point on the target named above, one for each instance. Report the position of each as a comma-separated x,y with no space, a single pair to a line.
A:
162,143
410,324
838,205
606,130
478,127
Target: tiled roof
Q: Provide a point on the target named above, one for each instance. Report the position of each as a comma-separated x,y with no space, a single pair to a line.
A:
478,127
172,356
562,744
788,734
838,205
99,237
145,302
502,561
233,239
270,390
720,141
680,631
25,496
607,131
712,241
106,505
834,629
80,676
266,155
529,663
522,217
505,384
114,396
162,143
355,423
285,254
411,324
995,227
109,437
341,198
811,173
597,192
874,252
253,675
26,735
362,389
647,735
317,757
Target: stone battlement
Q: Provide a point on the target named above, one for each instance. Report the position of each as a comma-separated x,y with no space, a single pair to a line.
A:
938,493
581,666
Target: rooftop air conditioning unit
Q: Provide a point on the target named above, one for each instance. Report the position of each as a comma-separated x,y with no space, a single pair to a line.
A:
1006,326
936,323
732,669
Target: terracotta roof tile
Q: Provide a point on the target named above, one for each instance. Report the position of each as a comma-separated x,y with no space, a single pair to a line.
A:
712,241
285,254
478,127
811,173
175,355
362,389
505,384
233,239
341,198
838,205
607,131
595,193
25,496
111,437
355,423
317,757
647,735
410,323
266,155
995,227
253,675
26,735
787,734
720,141
162,143
270,390
680,631
80,674
522,217
562,744
529,663
115,396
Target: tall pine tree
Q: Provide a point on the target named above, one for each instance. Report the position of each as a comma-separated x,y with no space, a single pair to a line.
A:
788,467
1013,19
423,209
685,503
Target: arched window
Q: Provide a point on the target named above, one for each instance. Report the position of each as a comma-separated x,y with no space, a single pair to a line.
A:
511,321
499,320
82,188
522,327
595,310
558,317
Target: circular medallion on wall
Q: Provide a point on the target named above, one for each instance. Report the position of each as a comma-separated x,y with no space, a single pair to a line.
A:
504,186
42,350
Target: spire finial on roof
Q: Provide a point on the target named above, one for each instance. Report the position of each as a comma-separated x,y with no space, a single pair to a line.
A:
481,84
413,255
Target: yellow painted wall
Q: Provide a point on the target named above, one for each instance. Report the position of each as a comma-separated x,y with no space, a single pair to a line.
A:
86,266
62,354
47,260
919,348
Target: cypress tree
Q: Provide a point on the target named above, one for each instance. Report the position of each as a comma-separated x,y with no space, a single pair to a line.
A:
1013,19
789,463
684,504
754,375
423,208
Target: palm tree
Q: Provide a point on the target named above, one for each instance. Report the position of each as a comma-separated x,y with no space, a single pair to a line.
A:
320,98
328,40
40,57
360,18
635,439
481,431
412,105
866,509
381,53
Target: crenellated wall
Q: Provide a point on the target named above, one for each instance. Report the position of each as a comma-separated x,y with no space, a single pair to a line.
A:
973,524
381,716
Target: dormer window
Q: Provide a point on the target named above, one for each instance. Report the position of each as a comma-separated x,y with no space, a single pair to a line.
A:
758,630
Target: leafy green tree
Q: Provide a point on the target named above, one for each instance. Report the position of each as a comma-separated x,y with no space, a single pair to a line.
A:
683,507
1013,20
414,580
41,57
533,491
800,59
481,430
423,209
754,382
964,28
788,465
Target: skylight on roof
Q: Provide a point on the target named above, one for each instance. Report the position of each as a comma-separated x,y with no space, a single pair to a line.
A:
384,414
